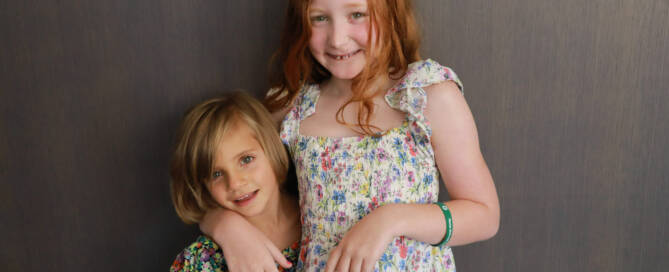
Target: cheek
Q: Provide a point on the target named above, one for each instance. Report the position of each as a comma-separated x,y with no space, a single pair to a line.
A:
361,32
317,41
218,193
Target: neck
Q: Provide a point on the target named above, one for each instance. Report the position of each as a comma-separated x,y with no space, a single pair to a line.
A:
343,87
279,211
338,87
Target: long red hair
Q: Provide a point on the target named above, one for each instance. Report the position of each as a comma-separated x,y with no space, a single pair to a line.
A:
293,65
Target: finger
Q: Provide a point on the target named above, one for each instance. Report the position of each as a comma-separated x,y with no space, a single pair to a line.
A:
278,256
270,268
233,265
333,259
368,265
343,264
356,265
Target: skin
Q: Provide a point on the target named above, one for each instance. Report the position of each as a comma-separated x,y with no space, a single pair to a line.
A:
339,29
475,207
243,182
339,36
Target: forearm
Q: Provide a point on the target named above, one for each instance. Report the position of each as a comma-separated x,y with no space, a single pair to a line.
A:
245,247
214,223
472,221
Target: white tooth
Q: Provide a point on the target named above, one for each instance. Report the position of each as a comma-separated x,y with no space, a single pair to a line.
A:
243,197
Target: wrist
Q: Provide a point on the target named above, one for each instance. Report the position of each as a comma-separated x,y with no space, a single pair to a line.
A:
216,220
392,219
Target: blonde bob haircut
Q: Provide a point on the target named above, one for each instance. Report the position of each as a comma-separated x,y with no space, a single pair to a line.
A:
202,129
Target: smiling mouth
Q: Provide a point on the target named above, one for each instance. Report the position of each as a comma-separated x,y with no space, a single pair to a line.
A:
245,199
343,57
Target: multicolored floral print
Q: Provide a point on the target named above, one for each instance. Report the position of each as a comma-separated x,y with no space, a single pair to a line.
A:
342,179
206,256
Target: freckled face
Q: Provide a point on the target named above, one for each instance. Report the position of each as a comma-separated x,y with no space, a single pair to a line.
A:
339,30
243,179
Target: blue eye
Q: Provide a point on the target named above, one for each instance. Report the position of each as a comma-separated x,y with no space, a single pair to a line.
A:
216,174
246,160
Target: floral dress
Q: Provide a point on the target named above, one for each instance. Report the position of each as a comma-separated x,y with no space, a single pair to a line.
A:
206,256
342,179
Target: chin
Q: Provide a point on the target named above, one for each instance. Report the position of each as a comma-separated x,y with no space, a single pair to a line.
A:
346,72
344,69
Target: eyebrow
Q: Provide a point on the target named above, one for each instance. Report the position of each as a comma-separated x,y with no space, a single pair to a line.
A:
243,152
235,157
354,5
348,6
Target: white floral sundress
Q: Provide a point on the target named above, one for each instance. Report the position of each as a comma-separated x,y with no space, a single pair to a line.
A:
342,179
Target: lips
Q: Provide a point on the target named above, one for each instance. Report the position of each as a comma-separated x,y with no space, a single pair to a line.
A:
245,199
343,57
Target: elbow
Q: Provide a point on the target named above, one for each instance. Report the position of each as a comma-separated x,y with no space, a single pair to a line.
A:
492,226
491,231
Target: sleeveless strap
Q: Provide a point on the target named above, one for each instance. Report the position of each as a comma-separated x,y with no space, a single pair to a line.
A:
303,106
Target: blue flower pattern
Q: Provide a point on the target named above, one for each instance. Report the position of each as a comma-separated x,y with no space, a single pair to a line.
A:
342,179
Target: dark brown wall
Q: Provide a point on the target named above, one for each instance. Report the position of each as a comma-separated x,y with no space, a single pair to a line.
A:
569,98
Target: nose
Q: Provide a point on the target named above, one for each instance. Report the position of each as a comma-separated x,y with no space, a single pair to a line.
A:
339,35
236,181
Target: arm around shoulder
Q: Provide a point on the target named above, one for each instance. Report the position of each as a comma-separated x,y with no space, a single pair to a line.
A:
246,248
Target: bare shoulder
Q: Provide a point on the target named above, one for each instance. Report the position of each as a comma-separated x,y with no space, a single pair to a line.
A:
446,101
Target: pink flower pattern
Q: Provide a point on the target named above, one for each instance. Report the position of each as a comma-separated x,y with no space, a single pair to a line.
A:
341,179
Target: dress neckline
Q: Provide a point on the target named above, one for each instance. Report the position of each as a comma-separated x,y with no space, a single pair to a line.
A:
315,88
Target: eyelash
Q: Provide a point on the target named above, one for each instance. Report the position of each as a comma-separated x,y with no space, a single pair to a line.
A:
216,174
243,161
319,18
354,15
358,15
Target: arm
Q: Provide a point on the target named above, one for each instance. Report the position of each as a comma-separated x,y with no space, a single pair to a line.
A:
245,247
474,205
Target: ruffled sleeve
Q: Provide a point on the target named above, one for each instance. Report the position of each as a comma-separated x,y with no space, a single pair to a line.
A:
303,106
409,94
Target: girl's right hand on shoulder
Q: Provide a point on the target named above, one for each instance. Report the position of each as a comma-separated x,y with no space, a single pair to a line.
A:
245,247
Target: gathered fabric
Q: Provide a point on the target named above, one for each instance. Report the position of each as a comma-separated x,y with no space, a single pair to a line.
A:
342,179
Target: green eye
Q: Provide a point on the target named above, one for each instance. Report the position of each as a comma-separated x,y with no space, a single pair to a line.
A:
319,18
357,15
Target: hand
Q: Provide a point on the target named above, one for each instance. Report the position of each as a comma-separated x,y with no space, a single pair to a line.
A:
363,244
245,247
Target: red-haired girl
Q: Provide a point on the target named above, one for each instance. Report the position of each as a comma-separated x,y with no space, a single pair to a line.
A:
371,129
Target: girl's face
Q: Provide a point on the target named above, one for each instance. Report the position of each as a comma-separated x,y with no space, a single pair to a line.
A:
339,32
243,179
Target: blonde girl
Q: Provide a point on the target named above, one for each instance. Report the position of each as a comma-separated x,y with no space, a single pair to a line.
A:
229,155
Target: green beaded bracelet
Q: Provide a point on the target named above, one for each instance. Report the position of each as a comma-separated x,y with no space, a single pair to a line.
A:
449,224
